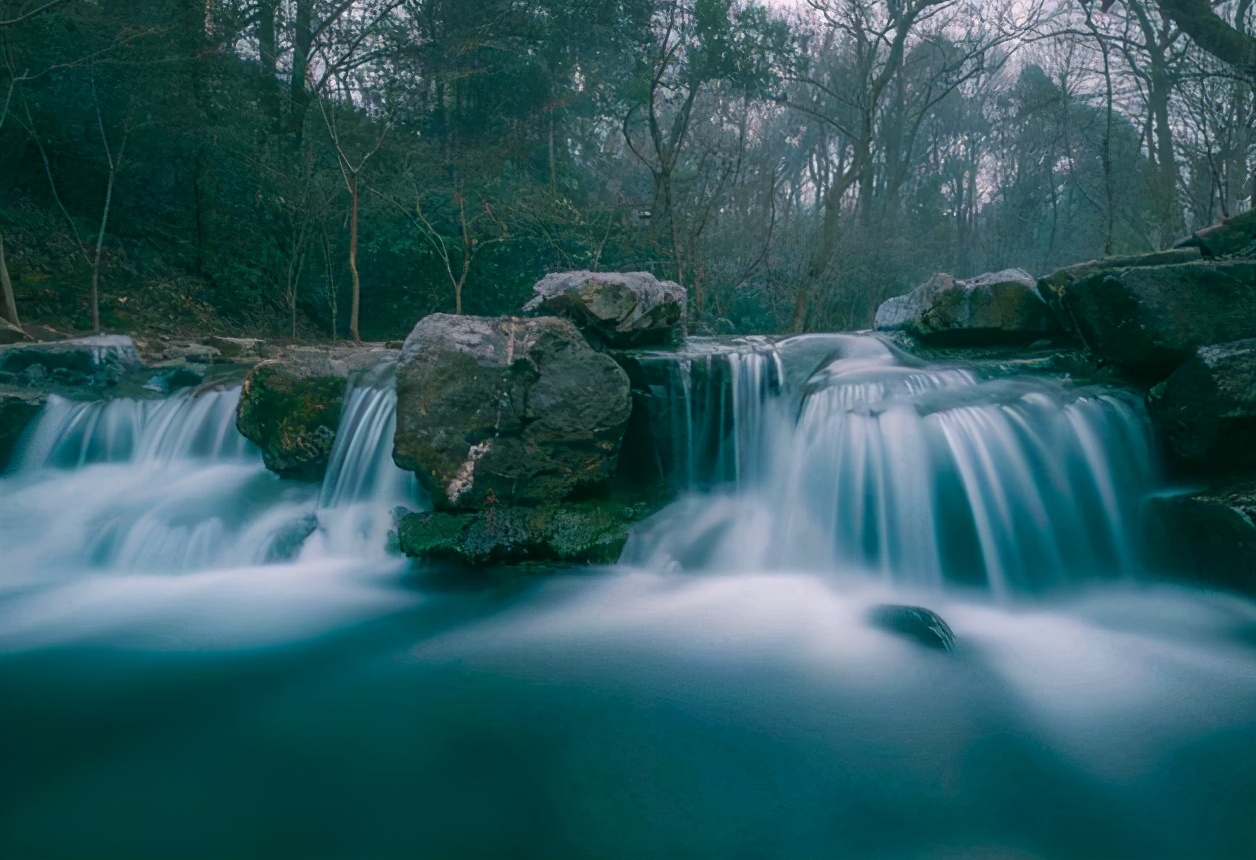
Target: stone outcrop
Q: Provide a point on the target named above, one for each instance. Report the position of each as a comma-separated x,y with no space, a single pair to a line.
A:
1205,412
999,307
573,533
1149,319
290,408
1207,536
1053,286
98,361
613,308
506,410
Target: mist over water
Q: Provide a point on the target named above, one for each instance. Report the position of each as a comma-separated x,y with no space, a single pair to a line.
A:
201,660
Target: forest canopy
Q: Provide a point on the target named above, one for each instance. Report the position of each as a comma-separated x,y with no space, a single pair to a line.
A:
245,164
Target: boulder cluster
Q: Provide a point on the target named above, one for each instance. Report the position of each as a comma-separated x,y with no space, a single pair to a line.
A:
513,425
1181,325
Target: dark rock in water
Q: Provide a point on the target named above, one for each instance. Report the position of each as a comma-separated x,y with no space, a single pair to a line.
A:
291,408
171,376
1208,537
614,308
998,307
1233,237
922,626
505,410
1206,410
510,535
18,408
1148,320
1053,286
289,539
101,360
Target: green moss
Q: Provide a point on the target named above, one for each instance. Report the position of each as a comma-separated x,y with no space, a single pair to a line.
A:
292,415
590,532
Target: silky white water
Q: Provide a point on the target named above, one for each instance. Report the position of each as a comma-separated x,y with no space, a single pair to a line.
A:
199,659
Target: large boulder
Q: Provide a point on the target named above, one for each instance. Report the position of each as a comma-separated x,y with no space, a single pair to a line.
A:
612,308
1149,319
101,360
1206,410
507,410
290,408
585,534
18,408
1053,286
1208,536
998,307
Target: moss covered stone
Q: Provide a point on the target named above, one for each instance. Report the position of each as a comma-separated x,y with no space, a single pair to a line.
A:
584,533
291,410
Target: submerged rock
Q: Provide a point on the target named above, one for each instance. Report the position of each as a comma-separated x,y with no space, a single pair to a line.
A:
291,408
1206,410
992,308
18,408
922,626
584,534
100,360
516,411
1150,319
1208,536
617,309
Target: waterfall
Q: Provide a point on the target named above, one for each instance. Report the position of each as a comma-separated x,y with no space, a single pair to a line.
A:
362,485
162,486
917,475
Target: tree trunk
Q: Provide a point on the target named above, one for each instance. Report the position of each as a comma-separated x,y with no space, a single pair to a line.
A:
6,287
356,300
100,245
302,44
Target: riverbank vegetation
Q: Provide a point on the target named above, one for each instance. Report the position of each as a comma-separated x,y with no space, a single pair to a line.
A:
341,168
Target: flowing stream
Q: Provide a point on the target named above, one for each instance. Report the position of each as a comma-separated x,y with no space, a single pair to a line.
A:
198,659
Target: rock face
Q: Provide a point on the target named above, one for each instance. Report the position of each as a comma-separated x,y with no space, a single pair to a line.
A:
18,408
1206,410
1210,535
291,408
517,411
1053,286
1149,319
614,309
101,360
507,535
998,307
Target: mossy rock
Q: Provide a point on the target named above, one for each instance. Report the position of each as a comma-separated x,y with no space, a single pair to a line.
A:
574,533
291,410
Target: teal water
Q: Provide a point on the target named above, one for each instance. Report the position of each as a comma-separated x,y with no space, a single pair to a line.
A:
199,660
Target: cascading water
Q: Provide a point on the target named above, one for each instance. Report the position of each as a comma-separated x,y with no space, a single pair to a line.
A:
202,660
917,474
